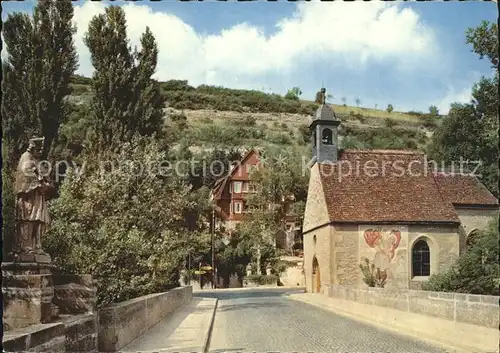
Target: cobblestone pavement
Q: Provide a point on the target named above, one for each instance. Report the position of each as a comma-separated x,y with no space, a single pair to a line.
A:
265,320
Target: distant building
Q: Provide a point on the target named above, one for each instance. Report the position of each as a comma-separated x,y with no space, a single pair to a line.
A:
387,206
230,195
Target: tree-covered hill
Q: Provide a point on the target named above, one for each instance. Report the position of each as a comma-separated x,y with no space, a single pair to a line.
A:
209,117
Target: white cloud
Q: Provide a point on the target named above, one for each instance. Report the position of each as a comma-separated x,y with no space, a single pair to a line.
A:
453,96
458,93
348,34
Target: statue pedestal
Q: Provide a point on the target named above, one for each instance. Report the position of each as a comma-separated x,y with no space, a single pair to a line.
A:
27,289
40,258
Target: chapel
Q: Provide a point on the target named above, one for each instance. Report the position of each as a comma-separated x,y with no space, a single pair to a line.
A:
390,207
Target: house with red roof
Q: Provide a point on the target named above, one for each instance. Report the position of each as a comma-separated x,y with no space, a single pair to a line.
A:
231,192
385,206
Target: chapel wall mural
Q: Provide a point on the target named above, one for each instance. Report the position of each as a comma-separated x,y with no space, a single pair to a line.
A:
386,247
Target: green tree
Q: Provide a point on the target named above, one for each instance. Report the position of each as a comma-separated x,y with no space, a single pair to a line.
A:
477,271
41,60
484,40
433,110
126,100
470,131
282,182
212,165
109,221
293,93
305,134
389,108
358,102
343,101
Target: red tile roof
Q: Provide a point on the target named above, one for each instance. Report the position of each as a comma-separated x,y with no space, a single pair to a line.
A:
383,186
221,182
463,189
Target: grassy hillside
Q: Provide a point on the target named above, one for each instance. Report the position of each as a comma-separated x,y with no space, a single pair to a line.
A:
209,116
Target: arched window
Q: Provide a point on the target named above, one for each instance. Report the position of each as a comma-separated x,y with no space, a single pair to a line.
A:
327,137
421,259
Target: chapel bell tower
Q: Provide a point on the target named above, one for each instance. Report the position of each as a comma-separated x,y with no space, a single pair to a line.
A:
324,131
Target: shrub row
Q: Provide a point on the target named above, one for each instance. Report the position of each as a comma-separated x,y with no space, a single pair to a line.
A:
219,98
263,279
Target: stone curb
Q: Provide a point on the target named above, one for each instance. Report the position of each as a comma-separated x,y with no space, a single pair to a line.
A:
208,335
219,290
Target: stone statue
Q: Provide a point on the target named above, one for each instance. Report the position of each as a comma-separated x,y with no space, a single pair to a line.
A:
321,97
32,214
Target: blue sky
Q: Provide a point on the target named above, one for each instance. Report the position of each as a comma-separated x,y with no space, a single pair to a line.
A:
408,54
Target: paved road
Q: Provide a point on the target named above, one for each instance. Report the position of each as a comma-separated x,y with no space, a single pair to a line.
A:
265,320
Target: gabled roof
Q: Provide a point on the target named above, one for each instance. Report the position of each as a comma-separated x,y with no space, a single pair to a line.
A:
325,112
464,189
401,189
221,183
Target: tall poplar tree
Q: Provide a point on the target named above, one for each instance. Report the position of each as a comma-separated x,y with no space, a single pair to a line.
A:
126,100
41,60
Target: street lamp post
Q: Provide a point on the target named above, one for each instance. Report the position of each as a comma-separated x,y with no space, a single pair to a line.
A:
189,267
213,248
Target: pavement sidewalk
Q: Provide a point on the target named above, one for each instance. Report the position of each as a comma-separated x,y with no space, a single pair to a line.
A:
186,330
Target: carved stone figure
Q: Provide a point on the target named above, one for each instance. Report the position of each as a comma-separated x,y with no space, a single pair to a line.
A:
321,96
31,188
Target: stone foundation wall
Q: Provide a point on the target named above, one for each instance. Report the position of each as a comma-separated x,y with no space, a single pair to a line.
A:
81,333
27,290
480,310
121,323
73,323
74,294
36,338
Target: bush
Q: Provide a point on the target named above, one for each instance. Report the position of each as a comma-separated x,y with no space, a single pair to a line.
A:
281,139
305,133
79,89
111,223
207,120
429,121
263,279
351,142
411,144
360,117
258,133
249,120
389,122
477,271
219,98
390,108
372,276
81,80
293,94
433,110
176,85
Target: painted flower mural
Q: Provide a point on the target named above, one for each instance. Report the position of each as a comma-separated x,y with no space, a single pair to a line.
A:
385,243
